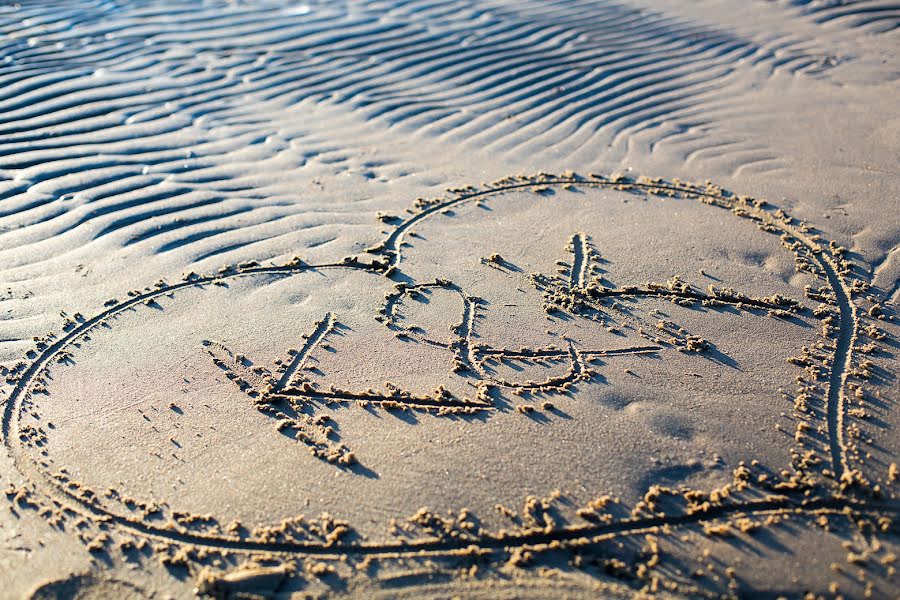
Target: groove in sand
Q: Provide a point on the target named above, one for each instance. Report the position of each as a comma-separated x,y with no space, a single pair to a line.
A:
391,251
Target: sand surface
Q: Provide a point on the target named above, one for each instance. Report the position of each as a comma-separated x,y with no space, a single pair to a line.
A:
414,299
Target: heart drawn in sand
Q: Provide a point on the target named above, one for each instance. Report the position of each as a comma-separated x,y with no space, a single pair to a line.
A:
587,310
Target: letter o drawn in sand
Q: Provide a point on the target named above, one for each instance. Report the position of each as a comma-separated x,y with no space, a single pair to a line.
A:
499,342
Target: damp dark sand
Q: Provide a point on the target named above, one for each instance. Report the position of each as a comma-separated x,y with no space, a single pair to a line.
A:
449,299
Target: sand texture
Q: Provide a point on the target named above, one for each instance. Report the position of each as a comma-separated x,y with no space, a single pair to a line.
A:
434,299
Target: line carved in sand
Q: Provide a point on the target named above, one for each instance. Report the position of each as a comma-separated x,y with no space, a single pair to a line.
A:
827,262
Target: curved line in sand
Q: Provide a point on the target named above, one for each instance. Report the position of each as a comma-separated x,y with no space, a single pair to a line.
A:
390,249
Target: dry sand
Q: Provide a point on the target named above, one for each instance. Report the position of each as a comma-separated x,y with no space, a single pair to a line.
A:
445,298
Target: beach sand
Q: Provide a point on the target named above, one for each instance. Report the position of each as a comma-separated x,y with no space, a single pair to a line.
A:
449,299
